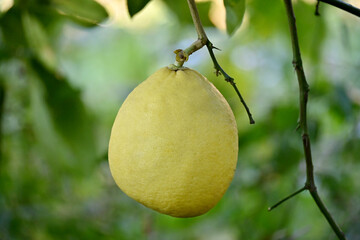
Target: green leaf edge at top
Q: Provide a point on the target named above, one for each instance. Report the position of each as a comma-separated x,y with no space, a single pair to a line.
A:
135,6
235,11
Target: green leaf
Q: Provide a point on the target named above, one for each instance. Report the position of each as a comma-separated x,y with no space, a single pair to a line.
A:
135,6
48,139
68,113
37,39
181,10
85,12
235,10
12,35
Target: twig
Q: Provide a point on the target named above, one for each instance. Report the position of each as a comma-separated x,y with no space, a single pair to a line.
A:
287,198
304,90
197,22
182,55
344,6
229,79
317,7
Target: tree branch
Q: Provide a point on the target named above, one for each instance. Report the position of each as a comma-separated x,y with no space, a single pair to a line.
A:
317,7
303,99
339,233
287,198
344,6
220,70
197,22
183,55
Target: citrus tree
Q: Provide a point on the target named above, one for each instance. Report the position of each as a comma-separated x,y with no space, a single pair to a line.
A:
65,69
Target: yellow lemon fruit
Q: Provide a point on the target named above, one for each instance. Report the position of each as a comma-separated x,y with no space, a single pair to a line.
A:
174,143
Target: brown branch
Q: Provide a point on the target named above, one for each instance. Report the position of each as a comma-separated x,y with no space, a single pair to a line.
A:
287,198
303,99
317,7
229,79
344,6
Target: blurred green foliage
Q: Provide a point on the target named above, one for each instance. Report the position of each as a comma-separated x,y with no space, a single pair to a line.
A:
63,78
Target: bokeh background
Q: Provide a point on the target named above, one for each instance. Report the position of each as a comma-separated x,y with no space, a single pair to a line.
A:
66,67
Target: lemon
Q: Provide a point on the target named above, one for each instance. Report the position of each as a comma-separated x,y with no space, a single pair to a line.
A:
174,144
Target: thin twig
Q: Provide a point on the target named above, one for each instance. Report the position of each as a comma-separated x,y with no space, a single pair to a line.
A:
182,55
304,90
317,7
287,198
229,79
344,6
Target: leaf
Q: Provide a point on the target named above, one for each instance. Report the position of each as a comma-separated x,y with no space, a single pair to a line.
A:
135,6
68,112
48,139
261,11
37,39
235,10
85,12
12,35
181,10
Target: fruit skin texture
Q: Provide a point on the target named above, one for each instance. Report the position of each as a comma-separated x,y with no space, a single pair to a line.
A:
174,144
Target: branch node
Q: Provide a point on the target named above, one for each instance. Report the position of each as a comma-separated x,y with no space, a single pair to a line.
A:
230,80
204,40
310,186
217,72
297,64
305,138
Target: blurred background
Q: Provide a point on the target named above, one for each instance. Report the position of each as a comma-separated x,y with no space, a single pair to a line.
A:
66,67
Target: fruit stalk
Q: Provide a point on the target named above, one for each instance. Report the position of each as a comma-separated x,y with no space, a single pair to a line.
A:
303,99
